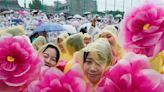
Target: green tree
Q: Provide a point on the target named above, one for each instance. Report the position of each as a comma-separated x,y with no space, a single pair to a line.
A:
5,3
114,13
36,4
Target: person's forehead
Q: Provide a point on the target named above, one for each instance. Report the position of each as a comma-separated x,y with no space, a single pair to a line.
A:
50,55
87,38
60,38
105,33
50,51
89,56
93,55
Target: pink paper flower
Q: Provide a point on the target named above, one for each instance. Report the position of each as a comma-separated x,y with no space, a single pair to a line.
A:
49,81
132,75
53,80
144,30
19,64
74,80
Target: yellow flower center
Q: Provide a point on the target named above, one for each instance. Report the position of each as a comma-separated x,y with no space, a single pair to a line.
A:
146,27
10,59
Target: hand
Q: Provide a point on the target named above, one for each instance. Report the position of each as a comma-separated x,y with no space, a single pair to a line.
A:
94,22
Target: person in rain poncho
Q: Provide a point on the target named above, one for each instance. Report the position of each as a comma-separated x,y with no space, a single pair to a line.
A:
13,31
60,40
39,42
87,39
157,63
111,34
50,54
93,30
72,44
95,59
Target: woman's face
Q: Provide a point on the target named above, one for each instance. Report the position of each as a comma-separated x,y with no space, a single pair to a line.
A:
60,43
110,38
92,70
49,56
87,40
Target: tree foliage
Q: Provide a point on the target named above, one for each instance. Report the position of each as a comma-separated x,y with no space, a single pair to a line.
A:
114,13
36,4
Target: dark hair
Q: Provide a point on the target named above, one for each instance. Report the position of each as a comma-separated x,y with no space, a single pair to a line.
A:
69,34
116,27
83,30
57,51
85,56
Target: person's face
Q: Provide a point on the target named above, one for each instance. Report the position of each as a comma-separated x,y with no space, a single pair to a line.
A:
45,34
60,43
92,70
36,35
87,40
110,38
49,56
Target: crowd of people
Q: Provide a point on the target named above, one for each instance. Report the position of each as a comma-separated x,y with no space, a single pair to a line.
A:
106,56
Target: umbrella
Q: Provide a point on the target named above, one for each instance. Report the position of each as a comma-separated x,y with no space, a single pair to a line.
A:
69,17
69,29
77,16
6,12
118,16
86,13
49,27
88,25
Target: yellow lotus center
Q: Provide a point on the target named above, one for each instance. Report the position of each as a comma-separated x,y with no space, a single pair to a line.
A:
146,27
10,59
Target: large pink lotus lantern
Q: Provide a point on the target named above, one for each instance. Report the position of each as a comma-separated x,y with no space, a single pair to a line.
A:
132,75
74,81
144,30
53,80
48,81
19,64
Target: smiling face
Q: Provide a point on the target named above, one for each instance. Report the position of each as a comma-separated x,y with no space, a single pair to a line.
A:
49,56
92,69
87,40
109,36
60,43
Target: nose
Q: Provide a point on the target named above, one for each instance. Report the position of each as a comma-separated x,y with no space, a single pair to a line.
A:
93,68
46,60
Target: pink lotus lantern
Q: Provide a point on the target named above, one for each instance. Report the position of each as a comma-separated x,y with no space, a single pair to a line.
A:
19,64
48,81
144,30
53,80
132,75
